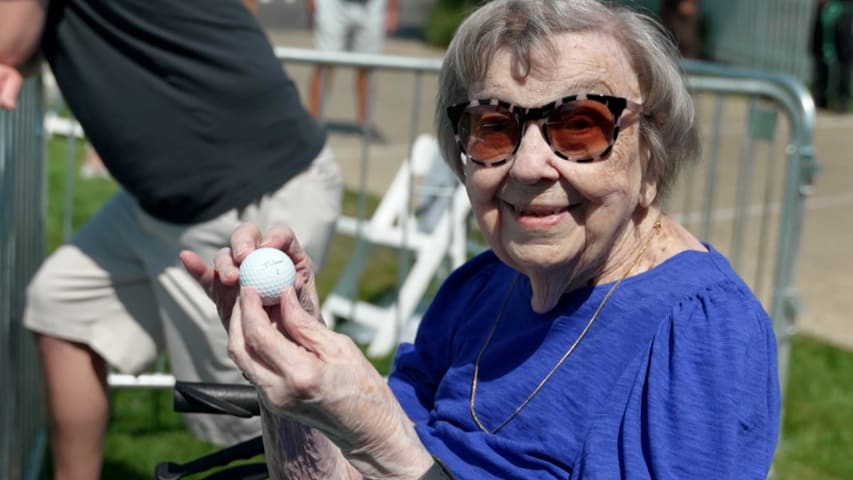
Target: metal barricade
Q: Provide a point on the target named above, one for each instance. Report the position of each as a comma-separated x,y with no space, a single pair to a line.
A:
745,196
22,220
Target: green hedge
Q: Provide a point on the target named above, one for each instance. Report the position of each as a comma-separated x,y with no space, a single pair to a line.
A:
443,19
446,15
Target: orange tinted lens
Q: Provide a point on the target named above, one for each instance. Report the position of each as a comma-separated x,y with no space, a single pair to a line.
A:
488,132
580,129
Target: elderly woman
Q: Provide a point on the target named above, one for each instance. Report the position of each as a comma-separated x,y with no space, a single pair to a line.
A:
597,338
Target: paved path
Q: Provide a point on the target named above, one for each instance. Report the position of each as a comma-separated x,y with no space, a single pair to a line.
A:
826,263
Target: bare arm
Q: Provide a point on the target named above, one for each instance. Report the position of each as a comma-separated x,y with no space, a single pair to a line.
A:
293,450
392,16
21,25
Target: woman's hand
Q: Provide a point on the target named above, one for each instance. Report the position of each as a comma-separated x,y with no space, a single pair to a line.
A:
222,280
304,371
320,378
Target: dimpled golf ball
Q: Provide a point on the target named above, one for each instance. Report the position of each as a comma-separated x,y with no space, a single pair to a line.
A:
268,271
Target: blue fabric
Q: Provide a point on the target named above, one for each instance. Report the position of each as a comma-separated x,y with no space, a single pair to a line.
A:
676,379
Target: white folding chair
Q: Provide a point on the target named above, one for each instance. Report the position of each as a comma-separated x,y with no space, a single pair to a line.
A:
423,214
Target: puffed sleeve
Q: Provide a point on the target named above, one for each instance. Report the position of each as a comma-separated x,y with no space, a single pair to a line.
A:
704,401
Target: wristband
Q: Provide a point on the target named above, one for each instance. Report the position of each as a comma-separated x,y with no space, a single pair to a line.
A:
438,471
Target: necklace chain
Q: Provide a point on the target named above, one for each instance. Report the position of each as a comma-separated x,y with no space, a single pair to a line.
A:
473,398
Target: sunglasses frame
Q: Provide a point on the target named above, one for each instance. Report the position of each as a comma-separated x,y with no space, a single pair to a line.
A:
616,106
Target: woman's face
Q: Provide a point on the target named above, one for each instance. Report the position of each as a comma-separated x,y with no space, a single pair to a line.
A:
558,221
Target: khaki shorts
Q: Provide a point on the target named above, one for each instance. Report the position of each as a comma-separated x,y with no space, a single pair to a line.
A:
120,288
349,25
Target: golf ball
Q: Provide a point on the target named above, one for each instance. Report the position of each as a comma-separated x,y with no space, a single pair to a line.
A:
268,271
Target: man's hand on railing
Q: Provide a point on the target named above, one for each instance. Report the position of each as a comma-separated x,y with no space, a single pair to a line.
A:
10,86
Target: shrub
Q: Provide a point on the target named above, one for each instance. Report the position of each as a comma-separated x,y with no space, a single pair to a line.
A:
444,17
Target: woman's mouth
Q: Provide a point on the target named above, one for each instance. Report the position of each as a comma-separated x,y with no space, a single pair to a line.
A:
539,216
539,212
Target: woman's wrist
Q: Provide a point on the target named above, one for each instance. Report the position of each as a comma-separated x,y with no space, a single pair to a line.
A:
398,455
294,450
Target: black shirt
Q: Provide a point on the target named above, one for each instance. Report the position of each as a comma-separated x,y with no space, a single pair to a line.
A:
183,99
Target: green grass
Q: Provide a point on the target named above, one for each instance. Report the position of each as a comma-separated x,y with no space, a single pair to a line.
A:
818,418
817,434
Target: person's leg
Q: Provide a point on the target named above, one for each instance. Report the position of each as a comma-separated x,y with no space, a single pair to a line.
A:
315,226
93,166
77,405
321,80
330,26
368,23
195,337
252,5
81,306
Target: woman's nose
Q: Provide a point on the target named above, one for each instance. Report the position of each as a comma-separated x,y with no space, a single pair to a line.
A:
534,157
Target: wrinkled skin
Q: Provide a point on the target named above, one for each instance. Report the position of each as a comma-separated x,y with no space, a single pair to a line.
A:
566,224
308,377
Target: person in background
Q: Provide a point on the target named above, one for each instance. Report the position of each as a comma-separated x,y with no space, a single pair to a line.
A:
198,123
596,338
252,5
349,25
682,19
832,53
93,167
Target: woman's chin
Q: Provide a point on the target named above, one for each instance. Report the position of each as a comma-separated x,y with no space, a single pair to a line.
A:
539,259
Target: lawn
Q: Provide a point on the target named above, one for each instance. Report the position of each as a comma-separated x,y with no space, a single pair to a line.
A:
818,418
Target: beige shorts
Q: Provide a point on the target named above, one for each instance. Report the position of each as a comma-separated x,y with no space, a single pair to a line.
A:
119,286
350,25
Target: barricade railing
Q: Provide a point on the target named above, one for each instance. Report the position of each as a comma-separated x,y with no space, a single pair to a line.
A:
22,220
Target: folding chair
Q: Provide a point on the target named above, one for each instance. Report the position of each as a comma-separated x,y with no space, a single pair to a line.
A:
423,215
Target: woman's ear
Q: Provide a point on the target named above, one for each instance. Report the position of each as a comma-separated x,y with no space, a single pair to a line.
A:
649,185
648,190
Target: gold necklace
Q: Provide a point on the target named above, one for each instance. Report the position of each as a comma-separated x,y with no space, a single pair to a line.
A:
473,398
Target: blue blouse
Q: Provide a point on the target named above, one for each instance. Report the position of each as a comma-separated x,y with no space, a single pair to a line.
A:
676,378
